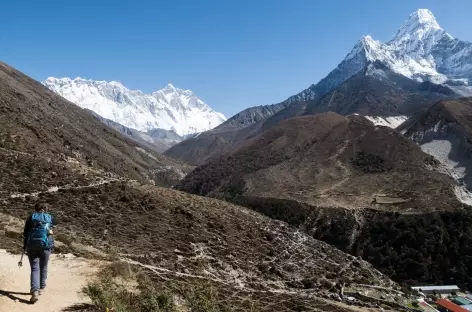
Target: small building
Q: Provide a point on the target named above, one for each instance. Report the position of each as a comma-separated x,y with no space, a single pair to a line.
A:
448,306
447,289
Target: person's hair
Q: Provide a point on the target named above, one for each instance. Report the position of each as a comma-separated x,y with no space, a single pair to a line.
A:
40,206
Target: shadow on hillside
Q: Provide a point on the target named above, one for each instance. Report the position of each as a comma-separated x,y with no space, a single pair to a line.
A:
82,307
11,295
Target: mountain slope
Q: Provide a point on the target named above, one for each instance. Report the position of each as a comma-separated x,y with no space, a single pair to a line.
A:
245,259
53,152
225,137
170,108
362,188
249,117
378,91
445,132
57,142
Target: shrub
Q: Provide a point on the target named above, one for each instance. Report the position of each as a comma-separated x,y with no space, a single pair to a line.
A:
201,297
106,292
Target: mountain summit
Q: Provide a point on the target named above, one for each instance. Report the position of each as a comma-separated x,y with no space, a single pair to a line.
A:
421,50
170,108
418,24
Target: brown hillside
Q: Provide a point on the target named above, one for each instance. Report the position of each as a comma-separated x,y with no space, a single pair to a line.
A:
53,152
364,189
53,135
248,260
329,160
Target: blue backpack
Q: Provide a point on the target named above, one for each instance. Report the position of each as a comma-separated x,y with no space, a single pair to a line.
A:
38,237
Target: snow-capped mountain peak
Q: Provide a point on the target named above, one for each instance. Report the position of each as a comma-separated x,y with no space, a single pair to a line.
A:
418,35
170,108
420,50
367,46
169,88
420,22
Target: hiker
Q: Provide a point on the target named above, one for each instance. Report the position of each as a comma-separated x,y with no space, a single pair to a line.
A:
38,244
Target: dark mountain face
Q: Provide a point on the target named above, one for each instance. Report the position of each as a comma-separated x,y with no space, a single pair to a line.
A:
379,92
207,145
58,141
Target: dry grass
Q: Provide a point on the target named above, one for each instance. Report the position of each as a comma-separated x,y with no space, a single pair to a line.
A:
179,238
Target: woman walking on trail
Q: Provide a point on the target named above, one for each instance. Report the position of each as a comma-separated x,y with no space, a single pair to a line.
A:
38,244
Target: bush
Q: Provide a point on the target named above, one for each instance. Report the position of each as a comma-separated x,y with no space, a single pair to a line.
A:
201,297
107,292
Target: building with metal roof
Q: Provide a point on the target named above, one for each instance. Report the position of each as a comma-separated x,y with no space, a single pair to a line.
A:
461,301
447,289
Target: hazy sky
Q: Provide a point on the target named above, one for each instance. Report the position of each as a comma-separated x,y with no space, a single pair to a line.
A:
232,53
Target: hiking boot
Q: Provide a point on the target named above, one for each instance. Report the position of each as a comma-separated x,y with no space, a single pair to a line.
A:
34,297
42,291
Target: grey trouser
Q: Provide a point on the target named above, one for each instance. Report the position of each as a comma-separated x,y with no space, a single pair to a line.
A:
39,268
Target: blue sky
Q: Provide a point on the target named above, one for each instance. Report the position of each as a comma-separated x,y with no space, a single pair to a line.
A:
232,53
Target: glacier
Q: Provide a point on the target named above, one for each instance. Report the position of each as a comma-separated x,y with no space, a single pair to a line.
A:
170,108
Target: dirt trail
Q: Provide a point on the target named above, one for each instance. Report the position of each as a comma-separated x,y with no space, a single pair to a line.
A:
55,189
66,278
